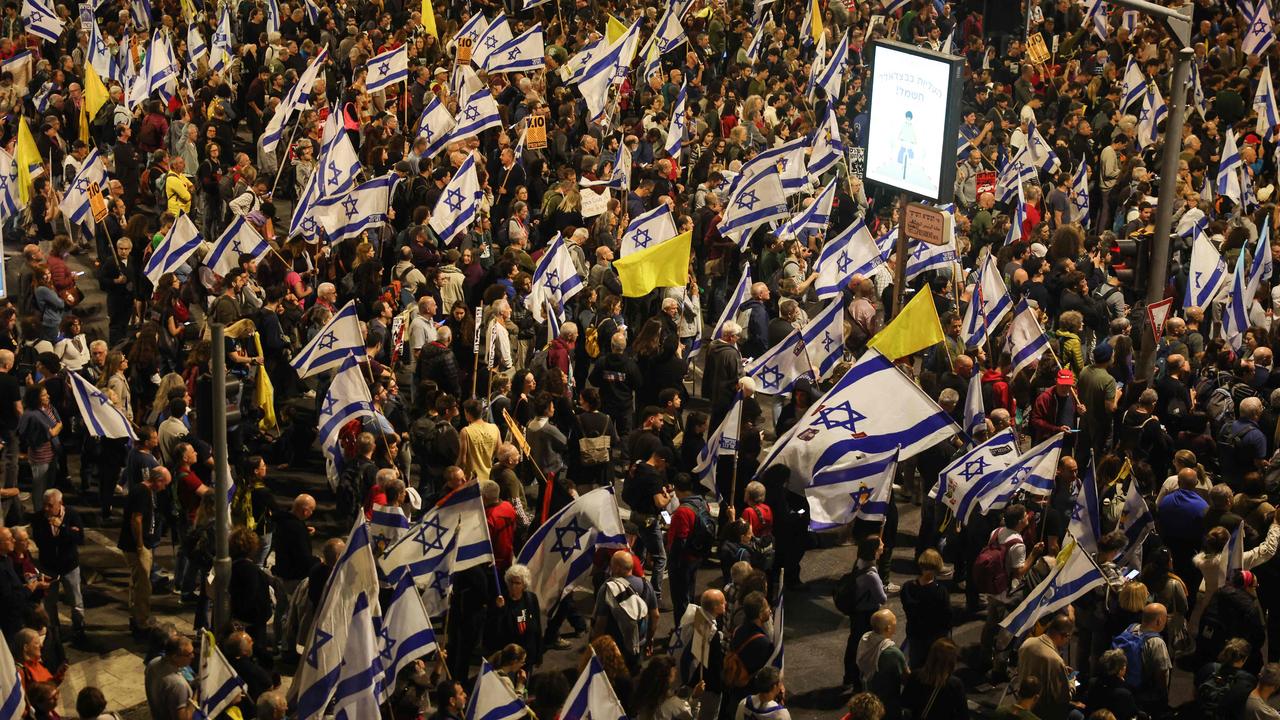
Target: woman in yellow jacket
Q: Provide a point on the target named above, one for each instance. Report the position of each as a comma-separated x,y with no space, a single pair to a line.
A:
178,188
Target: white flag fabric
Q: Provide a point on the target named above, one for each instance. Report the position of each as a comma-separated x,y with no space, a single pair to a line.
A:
1264,104
851,417
1026,341
555,279
561,551
217,685
1261,34
240,238
827,148
648,229
1135,83
494,36
1230,167
1040,152
406,632
1136,522
975,415
389,68
436,124
13,701
354,576
1017,170
857,487
1207,276
223,49
522,53
740,295
1235,316
10,202
178,245
592,697
989,303
492,699
1033,473
387,524
756,201
722,441
676,130
831,79
75,203
960,483
337,340
355,211
298,95
850,253
456,209
458,519
1069,580
1154,110
478,114
812,350
923,257
348,398
1080,194
101,418
41,20
814,217
602,66
1085,524
359,687
162,65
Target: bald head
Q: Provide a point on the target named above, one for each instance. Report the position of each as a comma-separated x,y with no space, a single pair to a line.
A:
303,506
1188,479
621,564
713,602
884,622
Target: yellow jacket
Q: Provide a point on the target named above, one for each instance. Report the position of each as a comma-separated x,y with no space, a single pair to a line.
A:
177,191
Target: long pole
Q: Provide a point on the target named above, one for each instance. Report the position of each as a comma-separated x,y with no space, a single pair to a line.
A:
1159,265
222,484
900,262
287,149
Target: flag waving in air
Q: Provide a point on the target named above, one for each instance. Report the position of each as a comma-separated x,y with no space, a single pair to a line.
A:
989,304
458,204
592,696
739,296
178,245
389,68
857,487
339,338
1070,579
217,685
1207,275
852,252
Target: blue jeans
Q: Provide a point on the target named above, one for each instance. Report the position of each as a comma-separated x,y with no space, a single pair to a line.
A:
649,539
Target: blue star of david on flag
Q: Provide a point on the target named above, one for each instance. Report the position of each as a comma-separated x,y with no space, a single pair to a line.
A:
643,238
322,637
561,546
974,468
453,199
328,341
748,200
350,206
828,417
771,377
436,542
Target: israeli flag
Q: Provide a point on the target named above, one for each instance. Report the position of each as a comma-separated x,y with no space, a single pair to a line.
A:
359,210
606,64
493,37
1192,222
1032,473
826,147
975,414
1230,168
1135,83
336,172
831,79
10,202
406,633
1095,16
893,6
923,257
435,125
1085,524
197,47
387,524
41,21
592,697
178,245
458,204
575,70
963,481
1197,98
755,202
1235,551
851,252
140,11
778,658
1019,217
857,487
337,340
479,114
786,159
359,687
679,117
272,16
1136,522
814,217
555,279
459,515
724,441
692,639
1154,111
757,43
1264,104
240,238
560,551
620,178
472,28
1069,580
1040,153
389,68
298,95
13,701
492,699
1079,212
103,60
739,296
1260,35
352,582
162,67
811,351
648,229
348,398
1026,341
1207,275
1235,316
851,417
669,34
75,204
217,684
988,305
1260,264
1020,168
523,53
222,40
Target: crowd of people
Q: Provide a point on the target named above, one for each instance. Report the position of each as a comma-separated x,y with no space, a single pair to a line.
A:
213,180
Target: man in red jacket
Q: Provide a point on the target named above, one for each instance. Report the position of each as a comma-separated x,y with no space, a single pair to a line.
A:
501,518
560,351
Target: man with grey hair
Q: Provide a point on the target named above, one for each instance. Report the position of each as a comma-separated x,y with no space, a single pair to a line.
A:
58,534
327,296
723,368
139,532
1258,707
1244,446
272,705
618,377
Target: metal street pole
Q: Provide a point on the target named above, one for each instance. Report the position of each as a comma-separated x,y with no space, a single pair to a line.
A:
221,483
900,260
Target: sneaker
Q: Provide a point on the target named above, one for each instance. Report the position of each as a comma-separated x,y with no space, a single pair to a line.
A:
892,588
560,644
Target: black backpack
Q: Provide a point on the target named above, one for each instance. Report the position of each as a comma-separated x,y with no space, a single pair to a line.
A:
1211,693
845,595
703,536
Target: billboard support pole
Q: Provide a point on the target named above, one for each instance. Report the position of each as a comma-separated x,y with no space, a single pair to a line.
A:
900,251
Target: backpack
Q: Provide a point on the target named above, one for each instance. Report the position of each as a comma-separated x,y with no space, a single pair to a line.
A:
1131,642
735,674
1220,407
591,341
845,595
743,318
990,574
1234,456
703,535
762,553
595,450
1211,693
628,611
1131,436
538,364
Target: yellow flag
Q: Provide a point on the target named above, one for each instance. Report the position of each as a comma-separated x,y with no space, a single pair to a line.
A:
28,159
188,11
264,395
915,329
95,93
615,29
663,265
816,25
429,19
84,125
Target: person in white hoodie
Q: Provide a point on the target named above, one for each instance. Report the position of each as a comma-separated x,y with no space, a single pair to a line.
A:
765,700
881,663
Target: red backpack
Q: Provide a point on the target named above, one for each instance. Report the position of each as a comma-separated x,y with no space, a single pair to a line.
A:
990,574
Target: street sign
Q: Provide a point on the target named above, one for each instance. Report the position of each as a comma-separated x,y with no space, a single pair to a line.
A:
927,224
1157,313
